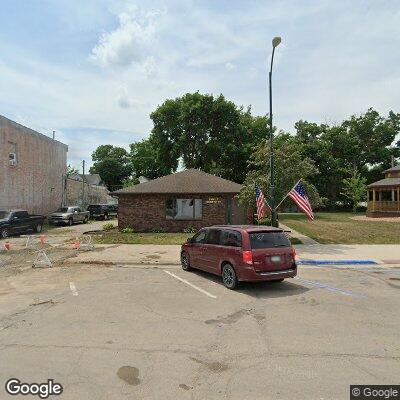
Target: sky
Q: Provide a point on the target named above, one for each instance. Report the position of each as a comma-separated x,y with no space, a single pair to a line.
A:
94,70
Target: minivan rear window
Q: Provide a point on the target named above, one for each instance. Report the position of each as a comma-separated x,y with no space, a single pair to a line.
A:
266,240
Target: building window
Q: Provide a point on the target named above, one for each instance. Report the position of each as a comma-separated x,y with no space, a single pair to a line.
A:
187,209
12,154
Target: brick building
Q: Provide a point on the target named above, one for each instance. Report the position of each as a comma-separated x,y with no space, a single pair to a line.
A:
32,169
172,203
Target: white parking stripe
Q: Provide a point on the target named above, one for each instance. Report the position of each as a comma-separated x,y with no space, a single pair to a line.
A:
190,284
73,289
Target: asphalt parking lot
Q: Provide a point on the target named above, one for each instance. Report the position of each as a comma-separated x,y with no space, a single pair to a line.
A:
161,333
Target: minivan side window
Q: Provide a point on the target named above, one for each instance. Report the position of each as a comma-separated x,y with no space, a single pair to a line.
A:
200,237
213,236
231,238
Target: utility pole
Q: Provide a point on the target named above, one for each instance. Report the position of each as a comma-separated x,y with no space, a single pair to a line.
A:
274,219
83,184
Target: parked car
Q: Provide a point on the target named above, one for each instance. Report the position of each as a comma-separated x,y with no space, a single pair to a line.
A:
103,211
241,253
14,222
69,215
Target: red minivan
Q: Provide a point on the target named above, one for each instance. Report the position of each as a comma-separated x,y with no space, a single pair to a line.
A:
248,253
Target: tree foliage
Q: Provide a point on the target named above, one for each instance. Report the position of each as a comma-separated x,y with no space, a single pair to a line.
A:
206,132
71,170
112,164
354,189
290,166
145,159
361,143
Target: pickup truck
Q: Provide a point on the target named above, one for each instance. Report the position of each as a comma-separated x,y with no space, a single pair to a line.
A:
103,211
15,222
69,215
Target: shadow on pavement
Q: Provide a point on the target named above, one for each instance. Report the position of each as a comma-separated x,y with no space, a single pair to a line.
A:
260,289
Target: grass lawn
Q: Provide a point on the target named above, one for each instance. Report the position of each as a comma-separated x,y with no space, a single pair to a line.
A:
340,228
148,238
142,238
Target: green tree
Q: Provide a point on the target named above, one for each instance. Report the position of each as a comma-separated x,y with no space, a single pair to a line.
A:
205,132
290,166
362,143
112,164
145,159
71,170
355,189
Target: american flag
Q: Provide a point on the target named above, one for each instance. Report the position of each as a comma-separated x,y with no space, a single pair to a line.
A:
261,207
299,196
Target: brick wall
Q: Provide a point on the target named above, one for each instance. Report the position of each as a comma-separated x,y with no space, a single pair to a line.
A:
146,212
35,183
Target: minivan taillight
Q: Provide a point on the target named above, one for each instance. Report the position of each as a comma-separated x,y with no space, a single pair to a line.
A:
248,257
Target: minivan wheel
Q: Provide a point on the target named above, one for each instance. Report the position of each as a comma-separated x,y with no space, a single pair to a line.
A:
70,222
4,233
105,217
185,261
39,228
229,278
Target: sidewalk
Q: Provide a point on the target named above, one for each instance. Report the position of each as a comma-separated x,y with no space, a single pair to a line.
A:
136,254
294,234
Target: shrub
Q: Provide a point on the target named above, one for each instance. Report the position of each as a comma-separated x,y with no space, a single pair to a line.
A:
189,229
127,230
264,221
108,226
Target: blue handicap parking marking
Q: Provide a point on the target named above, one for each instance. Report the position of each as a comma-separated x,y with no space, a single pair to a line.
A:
321,285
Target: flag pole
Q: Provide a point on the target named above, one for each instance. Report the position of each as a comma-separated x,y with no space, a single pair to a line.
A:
287,194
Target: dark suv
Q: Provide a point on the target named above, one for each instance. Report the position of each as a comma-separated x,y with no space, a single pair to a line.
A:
103,211
241,253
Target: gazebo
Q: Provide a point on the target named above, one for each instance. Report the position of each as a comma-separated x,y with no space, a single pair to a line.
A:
384,195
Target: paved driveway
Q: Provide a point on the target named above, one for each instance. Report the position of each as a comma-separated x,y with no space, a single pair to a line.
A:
143,333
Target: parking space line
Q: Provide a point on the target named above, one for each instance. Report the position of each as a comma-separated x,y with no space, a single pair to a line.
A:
73,289
190,284
327,287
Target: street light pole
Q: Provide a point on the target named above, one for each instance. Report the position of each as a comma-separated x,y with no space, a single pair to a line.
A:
274,220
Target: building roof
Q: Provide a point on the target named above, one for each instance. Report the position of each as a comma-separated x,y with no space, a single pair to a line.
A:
395,168
191,181
90,179
385,182
93,179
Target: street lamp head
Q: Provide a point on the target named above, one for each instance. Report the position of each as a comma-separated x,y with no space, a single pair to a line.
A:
275,41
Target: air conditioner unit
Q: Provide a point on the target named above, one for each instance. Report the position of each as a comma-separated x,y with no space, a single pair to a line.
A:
12,159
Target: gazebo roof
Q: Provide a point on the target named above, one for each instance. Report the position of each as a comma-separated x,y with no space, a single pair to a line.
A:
385,183
395,168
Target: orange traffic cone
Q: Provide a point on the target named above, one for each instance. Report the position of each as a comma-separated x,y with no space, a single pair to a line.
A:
7,246
77,244
42,239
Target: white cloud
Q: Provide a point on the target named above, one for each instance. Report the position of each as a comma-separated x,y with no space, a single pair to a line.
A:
128,43
330,64
125,101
